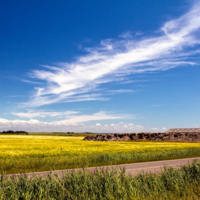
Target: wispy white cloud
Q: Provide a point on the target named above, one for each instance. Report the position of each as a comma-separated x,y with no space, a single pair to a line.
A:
32,82
72,117
126,35
138,33
114,59
120,91
42,114
33,125
102,115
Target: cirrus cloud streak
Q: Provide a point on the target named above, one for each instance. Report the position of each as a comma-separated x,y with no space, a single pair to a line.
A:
43,114
114,59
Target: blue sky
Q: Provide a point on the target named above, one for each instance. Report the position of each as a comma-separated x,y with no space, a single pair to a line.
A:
102,66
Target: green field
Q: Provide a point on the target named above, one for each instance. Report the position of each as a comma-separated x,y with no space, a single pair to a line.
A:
38,152
172,184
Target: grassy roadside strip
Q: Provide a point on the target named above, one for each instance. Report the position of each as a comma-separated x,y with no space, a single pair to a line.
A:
182,183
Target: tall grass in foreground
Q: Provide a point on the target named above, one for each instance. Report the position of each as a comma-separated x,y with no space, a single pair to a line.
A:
39,153
173,183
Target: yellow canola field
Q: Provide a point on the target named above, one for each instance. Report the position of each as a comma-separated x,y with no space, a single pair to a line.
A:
34,153
55,145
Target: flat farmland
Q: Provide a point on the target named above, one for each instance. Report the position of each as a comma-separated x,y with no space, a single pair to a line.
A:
40,153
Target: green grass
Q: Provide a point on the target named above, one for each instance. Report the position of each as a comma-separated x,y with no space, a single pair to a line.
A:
40,153
172,184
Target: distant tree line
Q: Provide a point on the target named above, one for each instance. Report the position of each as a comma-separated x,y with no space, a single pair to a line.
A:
14,132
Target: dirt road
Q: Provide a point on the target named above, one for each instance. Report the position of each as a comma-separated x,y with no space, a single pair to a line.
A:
134,169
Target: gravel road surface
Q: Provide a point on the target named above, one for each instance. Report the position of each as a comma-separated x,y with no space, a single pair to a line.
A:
134,169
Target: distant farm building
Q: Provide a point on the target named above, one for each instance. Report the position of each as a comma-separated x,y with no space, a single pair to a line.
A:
183,130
